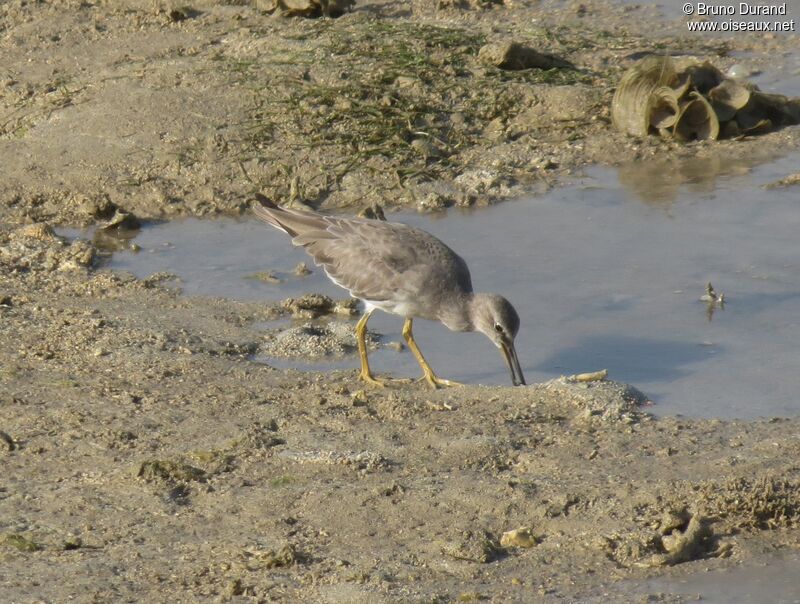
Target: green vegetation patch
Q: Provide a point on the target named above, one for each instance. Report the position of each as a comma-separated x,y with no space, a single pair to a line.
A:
19,542
393,98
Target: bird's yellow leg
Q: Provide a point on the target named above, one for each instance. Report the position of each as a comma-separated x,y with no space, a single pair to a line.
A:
361,331
427,373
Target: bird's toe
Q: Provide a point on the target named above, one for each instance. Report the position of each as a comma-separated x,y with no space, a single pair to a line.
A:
371,380
436,382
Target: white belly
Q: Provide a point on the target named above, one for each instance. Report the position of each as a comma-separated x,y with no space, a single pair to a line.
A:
394,308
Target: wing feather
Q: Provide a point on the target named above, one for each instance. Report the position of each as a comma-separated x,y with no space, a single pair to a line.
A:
374,260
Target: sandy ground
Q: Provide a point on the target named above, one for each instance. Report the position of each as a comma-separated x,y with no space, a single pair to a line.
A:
146,457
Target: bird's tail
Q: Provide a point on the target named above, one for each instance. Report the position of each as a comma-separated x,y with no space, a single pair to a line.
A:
292,222
266,210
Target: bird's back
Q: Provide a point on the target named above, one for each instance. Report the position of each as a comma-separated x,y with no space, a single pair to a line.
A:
391,266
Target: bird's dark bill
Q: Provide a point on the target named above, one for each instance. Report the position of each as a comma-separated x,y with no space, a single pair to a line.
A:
510,354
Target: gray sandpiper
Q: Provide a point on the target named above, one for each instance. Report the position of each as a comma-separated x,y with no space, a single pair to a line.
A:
403,271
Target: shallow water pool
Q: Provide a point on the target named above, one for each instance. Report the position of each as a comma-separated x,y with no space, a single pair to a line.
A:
605,273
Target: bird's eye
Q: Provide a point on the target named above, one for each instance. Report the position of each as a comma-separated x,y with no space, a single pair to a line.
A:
498,328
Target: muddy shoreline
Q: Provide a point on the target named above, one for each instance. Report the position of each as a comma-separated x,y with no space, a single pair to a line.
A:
146,457
122,107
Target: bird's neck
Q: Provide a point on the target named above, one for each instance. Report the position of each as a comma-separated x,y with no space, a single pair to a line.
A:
456,315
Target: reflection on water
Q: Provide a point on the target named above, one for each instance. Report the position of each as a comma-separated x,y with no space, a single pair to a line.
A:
646,359
659,182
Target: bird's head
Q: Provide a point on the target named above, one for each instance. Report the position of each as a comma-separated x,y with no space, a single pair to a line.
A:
494,317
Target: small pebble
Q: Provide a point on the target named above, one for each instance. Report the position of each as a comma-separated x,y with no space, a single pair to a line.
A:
521,537
302,270
739,71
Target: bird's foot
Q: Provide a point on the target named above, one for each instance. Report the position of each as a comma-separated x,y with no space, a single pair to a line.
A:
370,380
436,382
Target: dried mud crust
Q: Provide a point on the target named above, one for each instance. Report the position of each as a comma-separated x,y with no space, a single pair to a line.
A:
125,104
146,457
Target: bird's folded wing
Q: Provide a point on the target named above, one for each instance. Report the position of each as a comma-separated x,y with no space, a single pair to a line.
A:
374,261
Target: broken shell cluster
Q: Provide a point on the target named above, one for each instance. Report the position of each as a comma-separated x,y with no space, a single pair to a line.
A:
689,100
